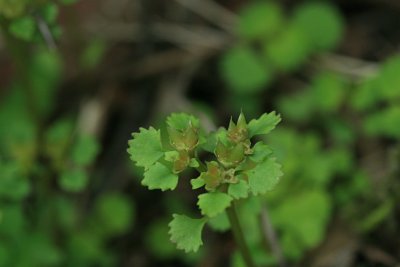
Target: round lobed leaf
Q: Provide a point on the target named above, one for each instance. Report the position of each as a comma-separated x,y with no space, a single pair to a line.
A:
145,147
158,176
186,232
212,204
264,176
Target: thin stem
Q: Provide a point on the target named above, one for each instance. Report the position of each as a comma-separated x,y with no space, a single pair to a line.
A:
46,33
238,234
270,235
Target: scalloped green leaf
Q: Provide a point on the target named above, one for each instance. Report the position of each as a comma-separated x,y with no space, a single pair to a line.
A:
239,190
264,177
264,124
212,204
159,176
186,232
260,152
145,147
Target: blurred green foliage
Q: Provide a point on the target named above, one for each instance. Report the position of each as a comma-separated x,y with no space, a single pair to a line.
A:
329,125
326,123
45,161
286,42
244,71
240,170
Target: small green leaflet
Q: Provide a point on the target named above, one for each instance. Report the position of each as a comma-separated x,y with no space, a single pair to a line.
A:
181,121
74,180
239,190
114,213
186,232
171,156
197,183
211,204
260,152
260,20
85,150
145,147
194,163
244,71
50,12
264,124
321,23
264,176
159,176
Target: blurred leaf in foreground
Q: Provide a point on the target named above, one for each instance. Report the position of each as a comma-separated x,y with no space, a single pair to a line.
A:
260,20
321,23
244,71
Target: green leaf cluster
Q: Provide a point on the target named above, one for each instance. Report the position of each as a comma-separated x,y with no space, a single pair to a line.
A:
240,167
377,100
71,155
271,42
324,96
340,113
44,158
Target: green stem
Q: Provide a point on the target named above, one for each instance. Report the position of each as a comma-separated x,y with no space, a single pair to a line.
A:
238,234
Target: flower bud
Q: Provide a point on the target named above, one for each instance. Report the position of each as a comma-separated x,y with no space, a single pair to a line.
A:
184,140
181,163
229,155
238,132
213,177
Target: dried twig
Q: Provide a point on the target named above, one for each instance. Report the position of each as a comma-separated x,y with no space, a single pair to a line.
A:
194,36
213,12
163,62
353,67
46,33
377,255
270,235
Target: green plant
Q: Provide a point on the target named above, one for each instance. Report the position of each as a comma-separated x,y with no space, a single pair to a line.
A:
271,42
46,159
237,168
